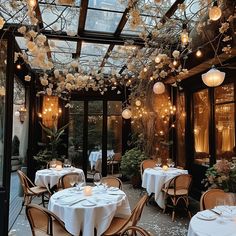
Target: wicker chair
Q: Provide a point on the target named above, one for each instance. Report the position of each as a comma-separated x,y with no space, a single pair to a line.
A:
30,190
112,182
43,222
118,225
65,180
147,164
114,161
211,197
55,162
135,231
177,189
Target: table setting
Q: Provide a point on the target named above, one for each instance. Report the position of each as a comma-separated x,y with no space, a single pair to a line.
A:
219,221
155,178
84,208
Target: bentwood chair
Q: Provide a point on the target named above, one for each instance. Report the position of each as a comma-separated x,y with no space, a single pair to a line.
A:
212,197
118,225
114,162
147,164
69,180
54,162
43,222
112,182
135,231
177,189
30,190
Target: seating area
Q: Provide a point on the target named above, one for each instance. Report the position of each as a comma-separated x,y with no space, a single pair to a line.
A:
117,117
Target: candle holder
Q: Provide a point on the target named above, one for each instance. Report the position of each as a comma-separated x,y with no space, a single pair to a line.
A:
87,191
165,167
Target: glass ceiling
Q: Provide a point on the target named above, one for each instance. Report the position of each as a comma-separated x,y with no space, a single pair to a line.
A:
93,34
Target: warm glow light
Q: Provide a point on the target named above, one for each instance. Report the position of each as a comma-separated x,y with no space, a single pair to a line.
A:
32,3
213,77
18,66
215,12
87,191
17,113
39,115
175,63
137,103
165,167
198,53
158,88
126,113
184,37
145,69
157,59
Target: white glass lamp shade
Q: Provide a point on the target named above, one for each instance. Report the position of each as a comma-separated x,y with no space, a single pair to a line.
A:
215,13
138,103
213,77
158,88
126,113
17,113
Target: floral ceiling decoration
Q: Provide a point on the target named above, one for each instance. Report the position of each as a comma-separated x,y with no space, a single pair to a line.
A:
156,41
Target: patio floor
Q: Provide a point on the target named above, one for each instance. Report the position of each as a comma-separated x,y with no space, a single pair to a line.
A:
152,219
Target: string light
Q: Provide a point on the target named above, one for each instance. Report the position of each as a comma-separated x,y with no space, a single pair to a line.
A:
145,69
199,53
175,63
18,66
184,35
157,59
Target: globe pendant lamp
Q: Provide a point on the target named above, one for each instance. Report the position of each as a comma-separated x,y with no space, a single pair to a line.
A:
213,77
126,113
158,88
215,12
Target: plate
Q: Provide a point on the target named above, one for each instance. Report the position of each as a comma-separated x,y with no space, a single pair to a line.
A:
88,203
206,215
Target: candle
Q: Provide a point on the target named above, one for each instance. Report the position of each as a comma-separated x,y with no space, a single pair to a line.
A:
165,167
87,191
58,167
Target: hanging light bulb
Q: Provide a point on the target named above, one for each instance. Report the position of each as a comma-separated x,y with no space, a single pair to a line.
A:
184,35
158,88
199,52
215,12
175,63
126,113
137,103
18,66
157,59
145,69
32,3
213,77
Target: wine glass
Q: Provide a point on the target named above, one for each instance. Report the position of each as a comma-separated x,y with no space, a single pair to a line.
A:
159,162
79,181
97,179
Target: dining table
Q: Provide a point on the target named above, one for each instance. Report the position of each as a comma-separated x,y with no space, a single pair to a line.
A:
94,156
82,214
153,179
49,177
219,221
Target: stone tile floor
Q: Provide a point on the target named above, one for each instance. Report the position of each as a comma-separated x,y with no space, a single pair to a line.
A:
153,220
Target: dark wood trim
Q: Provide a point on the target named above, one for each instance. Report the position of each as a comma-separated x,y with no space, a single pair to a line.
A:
104,139
5,193
85,139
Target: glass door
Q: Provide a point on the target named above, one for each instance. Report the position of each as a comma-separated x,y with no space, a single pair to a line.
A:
95,132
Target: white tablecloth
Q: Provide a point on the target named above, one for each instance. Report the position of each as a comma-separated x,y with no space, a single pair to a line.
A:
215,226
95,155
155,178
84,217
49,177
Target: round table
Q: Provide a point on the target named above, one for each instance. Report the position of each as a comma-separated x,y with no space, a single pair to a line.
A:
50,177
207,223
153,180
84,213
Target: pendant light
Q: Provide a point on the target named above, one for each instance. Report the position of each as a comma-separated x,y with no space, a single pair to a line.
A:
126,113
184,35
215,12
213,77
158,88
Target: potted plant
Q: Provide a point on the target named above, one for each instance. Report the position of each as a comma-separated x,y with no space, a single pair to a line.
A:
51,150
130,165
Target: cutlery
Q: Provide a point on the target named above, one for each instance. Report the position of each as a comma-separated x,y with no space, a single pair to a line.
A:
80,200
216,212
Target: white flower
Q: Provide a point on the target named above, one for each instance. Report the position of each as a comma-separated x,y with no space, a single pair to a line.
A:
41,39
44,82
175,53
227,38
32,33
56,73
49,91
68,105
31,46
74,64
22,30
163,74
68,86
224,27
27,78
2,22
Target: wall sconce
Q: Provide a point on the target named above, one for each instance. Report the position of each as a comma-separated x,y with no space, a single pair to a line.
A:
21,113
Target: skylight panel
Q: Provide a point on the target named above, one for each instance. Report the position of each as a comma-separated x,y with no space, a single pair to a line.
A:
115,5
